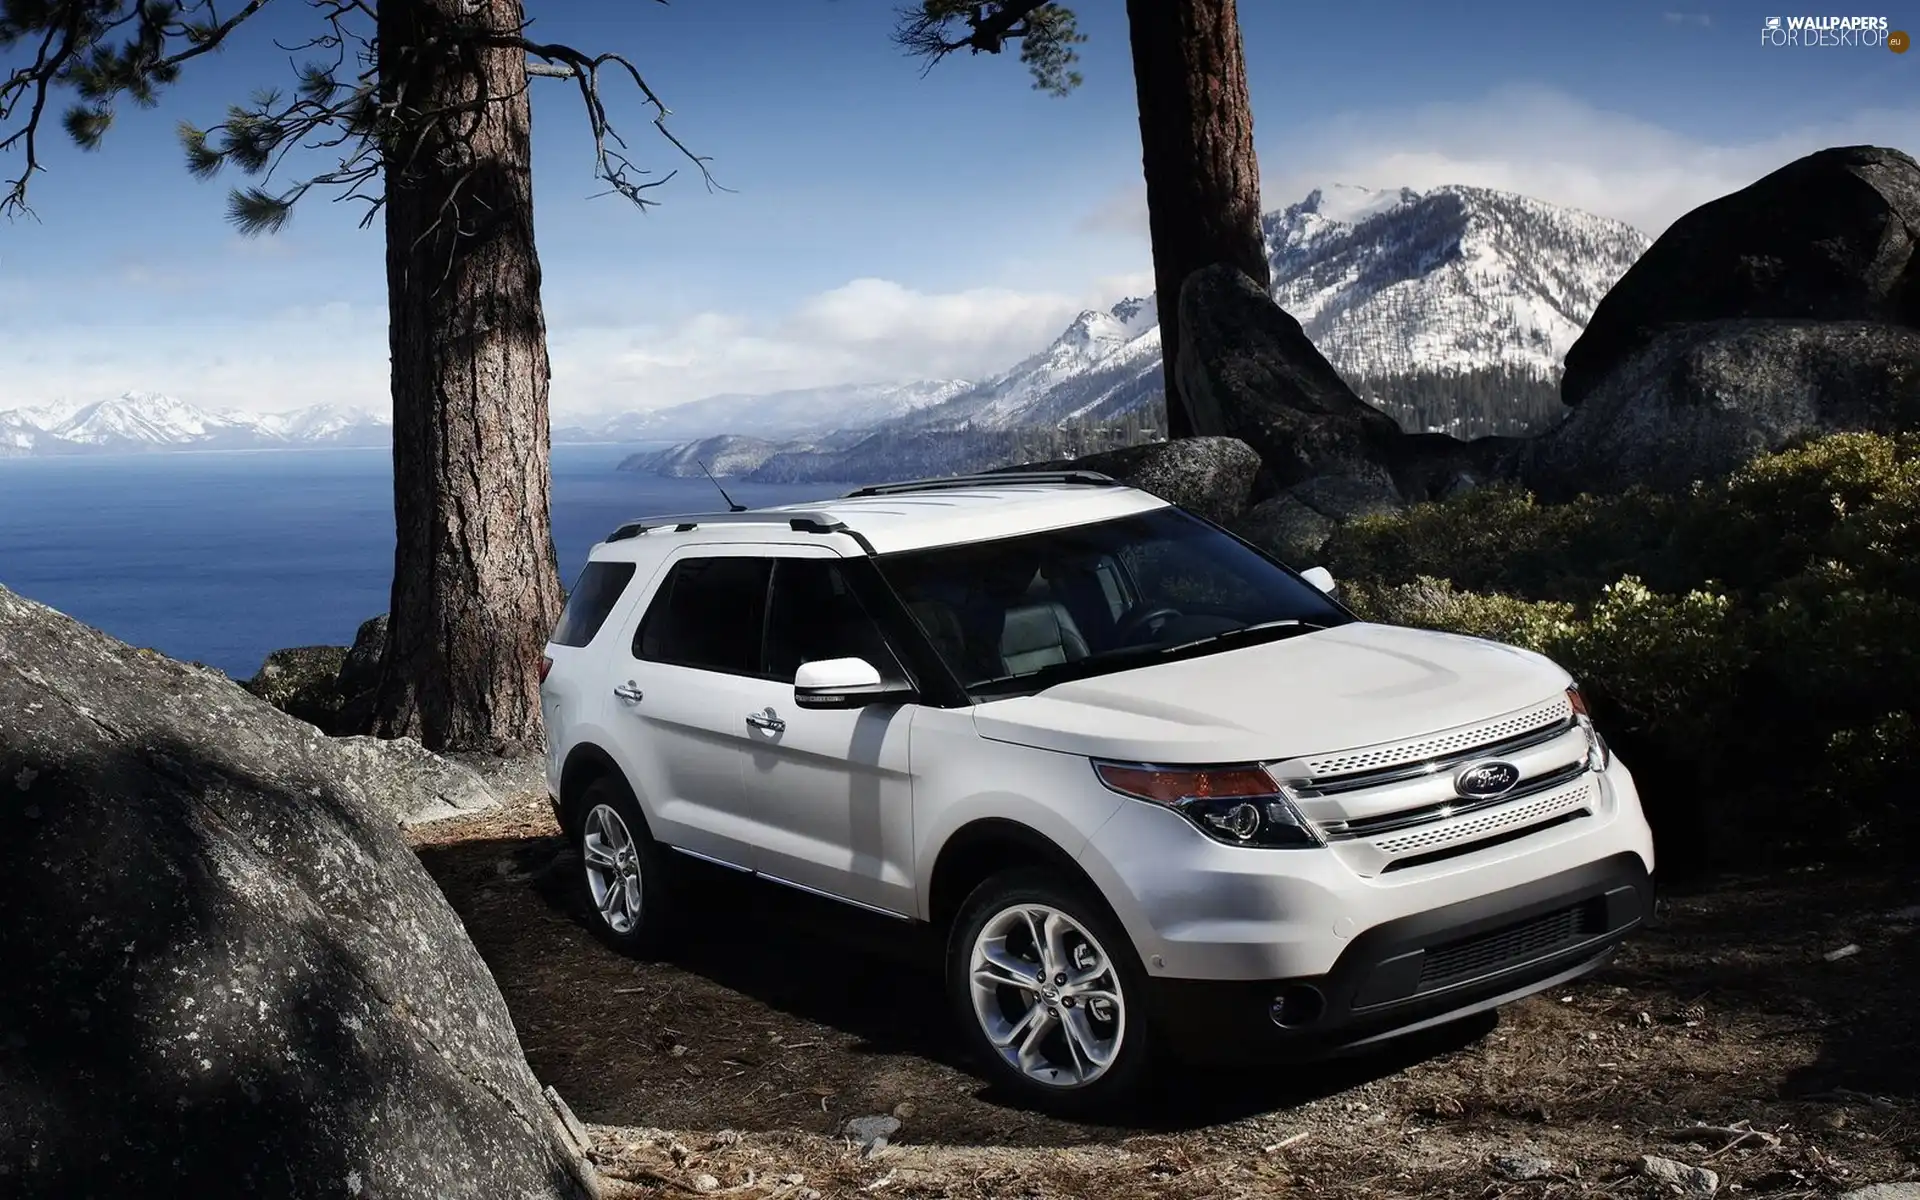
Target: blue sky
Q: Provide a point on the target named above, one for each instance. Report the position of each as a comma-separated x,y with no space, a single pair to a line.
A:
882,225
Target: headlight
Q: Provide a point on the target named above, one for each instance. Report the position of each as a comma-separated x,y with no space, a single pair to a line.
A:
1598,756
1239,805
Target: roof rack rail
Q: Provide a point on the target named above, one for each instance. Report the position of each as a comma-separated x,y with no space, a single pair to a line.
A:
799,522
1094,478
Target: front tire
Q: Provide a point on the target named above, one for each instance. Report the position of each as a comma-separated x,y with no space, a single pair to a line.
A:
1049,993
624,878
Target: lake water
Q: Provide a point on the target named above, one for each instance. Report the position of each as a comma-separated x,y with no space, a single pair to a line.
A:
221,558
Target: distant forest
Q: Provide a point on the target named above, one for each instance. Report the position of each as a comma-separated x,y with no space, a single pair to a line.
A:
1468,404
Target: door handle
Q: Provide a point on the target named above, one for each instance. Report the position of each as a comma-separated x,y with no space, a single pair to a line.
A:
766,721
628,691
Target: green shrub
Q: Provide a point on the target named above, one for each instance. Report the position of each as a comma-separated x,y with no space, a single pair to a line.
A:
1502,539
1752,648
1434,604
1849,499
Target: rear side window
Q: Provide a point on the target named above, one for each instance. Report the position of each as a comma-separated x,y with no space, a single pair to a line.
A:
708,613
593,596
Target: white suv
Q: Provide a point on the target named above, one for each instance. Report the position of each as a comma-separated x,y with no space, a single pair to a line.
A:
1163,797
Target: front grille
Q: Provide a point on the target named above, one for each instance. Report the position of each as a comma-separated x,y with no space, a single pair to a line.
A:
1413,818
1473,738
1486,843
1429,834
1515,945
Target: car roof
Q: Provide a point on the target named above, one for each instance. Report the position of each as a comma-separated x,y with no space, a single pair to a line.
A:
909,516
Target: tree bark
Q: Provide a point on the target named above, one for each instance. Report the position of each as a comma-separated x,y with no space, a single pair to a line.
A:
475,582
1196,141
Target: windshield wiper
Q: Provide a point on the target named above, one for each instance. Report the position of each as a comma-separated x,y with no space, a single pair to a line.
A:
1234,635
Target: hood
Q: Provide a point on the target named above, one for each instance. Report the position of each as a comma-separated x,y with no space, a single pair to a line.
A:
1335,689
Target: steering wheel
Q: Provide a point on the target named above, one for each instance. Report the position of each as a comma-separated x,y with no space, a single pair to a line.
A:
1131,623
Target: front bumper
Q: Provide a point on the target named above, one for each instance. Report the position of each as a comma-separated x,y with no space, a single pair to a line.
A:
1197,909
1415,972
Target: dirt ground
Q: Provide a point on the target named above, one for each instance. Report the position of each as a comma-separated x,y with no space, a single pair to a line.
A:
1767,1031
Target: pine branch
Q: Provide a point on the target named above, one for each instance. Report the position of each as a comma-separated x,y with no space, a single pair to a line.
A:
923,30
101,50
1046,30
209,38
49,62
610,164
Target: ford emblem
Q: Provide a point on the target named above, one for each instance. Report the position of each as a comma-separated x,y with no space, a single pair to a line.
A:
1485,780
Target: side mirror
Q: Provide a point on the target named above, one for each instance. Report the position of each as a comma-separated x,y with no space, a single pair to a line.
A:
1319,577
845,683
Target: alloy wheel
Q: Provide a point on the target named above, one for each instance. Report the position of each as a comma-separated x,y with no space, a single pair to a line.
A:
1047,996
613,868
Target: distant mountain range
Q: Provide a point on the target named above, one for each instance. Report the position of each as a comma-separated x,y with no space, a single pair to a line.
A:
145,421
1451,309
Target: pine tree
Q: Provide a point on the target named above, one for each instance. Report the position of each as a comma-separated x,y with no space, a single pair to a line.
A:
1196,128
418,108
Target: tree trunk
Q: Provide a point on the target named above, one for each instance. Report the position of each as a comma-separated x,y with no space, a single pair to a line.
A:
475,582
1196,142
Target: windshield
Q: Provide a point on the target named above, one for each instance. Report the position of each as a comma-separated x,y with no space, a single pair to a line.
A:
1022,613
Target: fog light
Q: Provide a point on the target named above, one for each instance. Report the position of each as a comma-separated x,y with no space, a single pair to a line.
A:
1296,1005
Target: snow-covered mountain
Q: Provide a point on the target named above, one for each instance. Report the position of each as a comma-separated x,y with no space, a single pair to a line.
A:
1454,279
147,421
1105,363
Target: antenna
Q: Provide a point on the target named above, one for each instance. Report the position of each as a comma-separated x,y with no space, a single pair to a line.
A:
731,506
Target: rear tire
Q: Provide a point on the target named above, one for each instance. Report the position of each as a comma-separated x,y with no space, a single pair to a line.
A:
625,880
1050,994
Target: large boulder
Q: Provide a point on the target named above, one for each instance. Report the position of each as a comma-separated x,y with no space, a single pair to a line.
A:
1248,370
1212,476
302,681
228,974
1833,236
1699,400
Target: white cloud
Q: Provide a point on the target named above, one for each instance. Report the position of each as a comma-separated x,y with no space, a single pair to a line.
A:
327,353
864,330
1537,141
